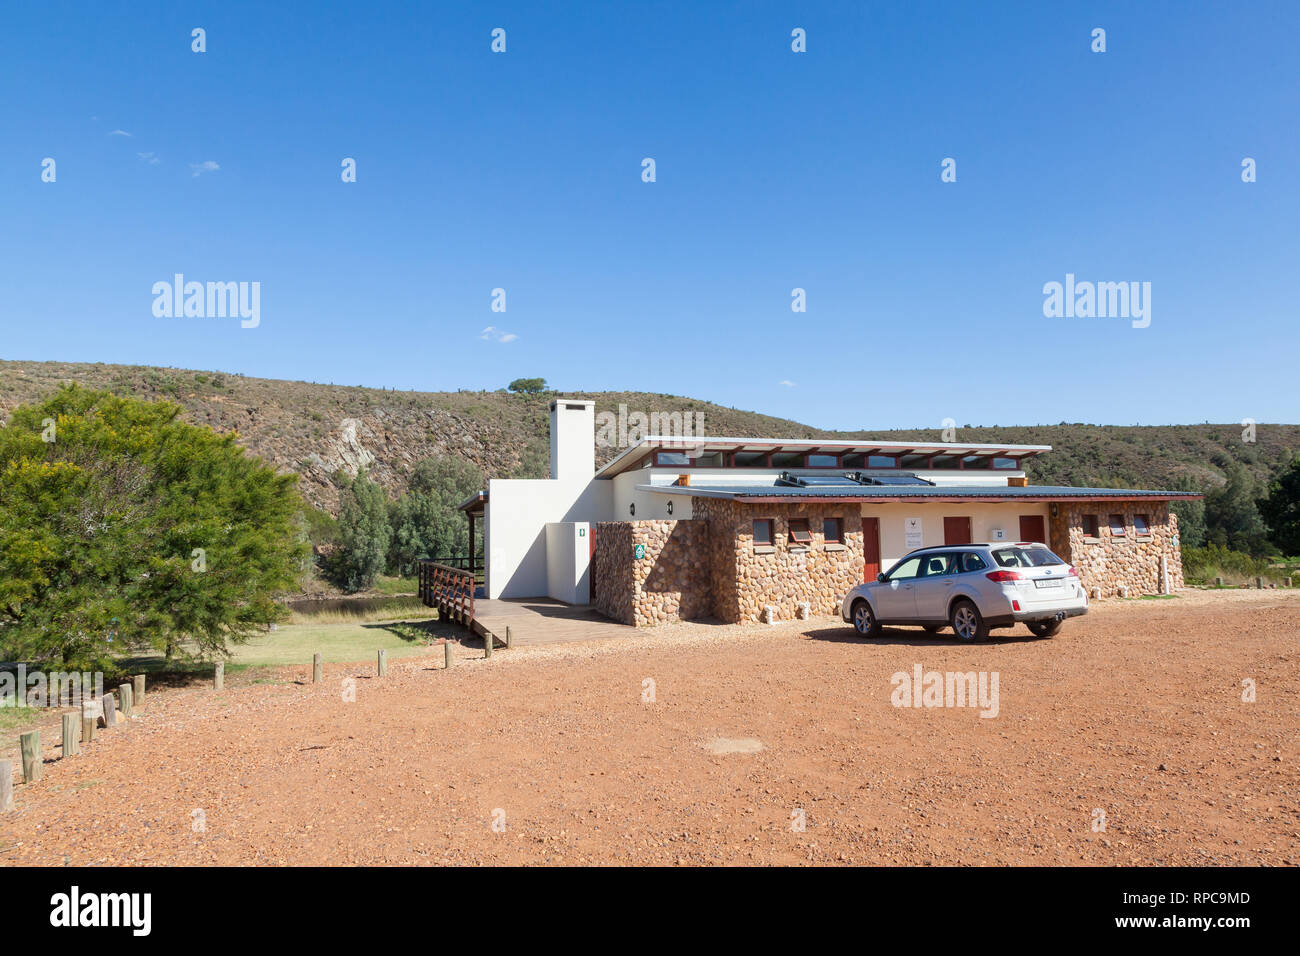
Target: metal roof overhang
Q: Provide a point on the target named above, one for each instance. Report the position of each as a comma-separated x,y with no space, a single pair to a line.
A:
633,453
475,503
941,494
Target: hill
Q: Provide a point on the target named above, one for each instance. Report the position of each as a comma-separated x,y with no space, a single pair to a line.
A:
318,430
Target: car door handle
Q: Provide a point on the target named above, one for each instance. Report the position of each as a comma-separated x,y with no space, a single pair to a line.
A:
947,584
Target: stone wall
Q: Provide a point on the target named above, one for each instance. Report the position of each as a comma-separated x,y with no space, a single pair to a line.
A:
1108,562
746,579
612,565
669,582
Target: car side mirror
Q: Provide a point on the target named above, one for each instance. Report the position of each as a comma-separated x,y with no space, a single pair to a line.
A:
882,577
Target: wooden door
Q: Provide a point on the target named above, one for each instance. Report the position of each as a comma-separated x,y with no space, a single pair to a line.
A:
871,548
1033,528
956,530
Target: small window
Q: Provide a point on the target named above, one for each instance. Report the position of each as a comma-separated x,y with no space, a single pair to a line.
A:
970,561
914,461
714,459
673,458
799,531
1141,525
882,461
823,461
787,459
833,530
974,461
854,459
1090,528
762,531
950,462
750,459
907,568
936,565
1004,463
1117,526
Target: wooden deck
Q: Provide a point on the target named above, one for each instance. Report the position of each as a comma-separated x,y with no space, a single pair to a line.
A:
543,621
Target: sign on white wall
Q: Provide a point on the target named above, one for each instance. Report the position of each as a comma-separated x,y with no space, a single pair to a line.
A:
913,537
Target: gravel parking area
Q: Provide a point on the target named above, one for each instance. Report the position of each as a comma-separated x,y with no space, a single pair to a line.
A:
1123,740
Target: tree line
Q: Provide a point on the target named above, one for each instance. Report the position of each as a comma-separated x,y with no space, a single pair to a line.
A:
374,535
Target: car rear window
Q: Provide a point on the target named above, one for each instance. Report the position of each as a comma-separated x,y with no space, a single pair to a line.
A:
1025,557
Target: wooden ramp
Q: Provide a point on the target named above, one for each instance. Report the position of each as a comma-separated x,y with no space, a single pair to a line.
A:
543,621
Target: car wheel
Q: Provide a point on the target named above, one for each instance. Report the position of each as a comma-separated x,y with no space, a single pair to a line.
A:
864,622
967,622
1044,628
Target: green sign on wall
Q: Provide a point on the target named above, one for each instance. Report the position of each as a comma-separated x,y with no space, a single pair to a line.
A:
639,551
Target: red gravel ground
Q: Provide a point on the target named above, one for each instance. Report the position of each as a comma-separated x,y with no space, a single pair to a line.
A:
1135,710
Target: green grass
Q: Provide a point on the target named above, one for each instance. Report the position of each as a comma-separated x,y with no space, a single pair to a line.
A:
391,585
337,641
1158,597
18,718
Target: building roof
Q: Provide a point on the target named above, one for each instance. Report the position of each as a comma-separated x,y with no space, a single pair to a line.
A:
474,503
855,492
633,454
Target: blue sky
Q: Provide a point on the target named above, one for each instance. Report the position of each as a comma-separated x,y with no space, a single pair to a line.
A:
775,170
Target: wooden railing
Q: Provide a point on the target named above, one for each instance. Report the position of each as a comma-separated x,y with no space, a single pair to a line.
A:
448,589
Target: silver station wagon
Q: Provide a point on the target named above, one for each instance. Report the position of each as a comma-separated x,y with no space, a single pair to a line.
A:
972,588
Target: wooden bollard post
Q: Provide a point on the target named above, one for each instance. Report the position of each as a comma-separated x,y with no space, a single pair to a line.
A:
128,700
137,685
317,669
1259,583
507,636
110,711
381,668
30,744
446,646
219,676
6,785
71,735
87,728
488,641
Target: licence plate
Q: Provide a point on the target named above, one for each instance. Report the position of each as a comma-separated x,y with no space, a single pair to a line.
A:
1049,583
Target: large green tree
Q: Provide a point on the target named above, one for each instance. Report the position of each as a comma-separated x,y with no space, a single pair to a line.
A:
1231,517
363,535
425,521
1281,509
123,528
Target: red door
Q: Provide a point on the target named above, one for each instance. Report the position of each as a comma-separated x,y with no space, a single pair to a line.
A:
956,531
591,565
1032,528
871,548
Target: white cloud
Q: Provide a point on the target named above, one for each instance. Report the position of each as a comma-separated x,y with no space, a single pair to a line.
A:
786,382
120,132
493,334
207,166
150,158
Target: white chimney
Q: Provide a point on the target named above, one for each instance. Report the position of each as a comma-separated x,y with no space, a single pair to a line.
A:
573,439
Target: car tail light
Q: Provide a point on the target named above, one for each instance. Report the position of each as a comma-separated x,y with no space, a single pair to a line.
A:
1002,576
1015,605
1071,571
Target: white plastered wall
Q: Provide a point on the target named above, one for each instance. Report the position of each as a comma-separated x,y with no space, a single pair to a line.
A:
568,561
984,518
